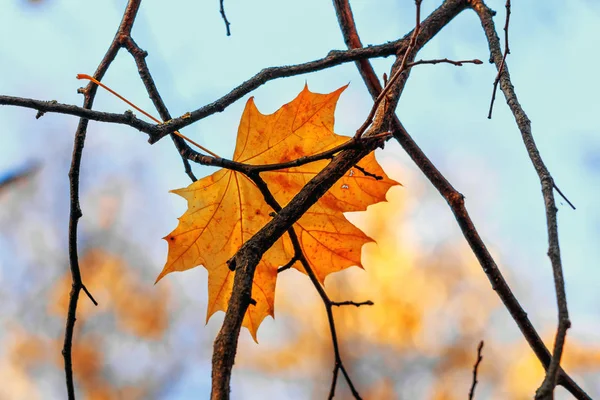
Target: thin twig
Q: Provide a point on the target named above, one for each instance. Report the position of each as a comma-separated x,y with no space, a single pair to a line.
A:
367,173
87,292
249,168
75,209
564,197
52,106
327,154
287,266
338,364
554,374
475,367
352,303
227,24
139,57
394,77
300,256
506,52
445,60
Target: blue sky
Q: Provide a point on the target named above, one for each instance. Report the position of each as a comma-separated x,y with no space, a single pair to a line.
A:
553,64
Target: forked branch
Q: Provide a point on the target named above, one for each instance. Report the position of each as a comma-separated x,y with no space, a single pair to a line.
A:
75,213
554,374
300,256
453,197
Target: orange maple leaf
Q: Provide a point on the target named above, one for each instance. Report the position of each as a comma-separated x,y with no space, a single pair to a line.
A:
226,208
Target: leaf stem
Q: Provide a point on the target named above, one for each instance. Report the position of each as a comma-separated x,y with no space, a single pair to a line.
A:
86,76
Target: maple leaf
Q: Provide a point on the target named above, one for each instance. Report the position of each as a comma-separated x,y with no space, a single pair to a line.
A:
226,208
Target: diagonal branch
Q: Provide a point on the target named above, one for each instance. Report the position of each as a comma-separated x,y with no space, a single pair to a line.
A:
547,183
156,132
89,93
432,24
139,56
456,202
247,258
506,53
300,256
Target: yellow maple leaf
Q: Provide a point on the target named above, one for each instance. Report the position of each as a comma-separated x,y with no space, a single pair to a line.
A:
226,208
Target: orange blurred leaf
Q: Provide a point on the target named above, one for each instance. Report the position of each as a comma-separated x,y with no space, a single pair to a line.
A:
226,208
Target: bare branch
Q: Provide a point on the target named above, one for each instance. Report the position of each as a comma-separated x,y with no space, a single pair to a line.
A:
554,374
433,24
564,197
445,60
475,367
246,259
506,52
454,198
222,11
52,106
156,132
139,56
89,295
75,209
299,256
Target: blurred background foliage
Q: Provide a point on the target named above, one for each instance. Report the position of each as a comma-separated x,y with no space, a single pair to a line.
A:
432,307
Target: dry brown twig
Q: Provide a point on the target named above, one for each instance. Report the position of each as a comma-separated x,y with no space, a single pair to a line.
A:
506,53
224,16
327,302
89,94
475,369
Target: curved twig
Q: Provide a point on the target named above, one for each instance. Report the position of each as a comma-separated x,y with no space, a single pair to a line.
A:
75,214
475,368
222,11
553,371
